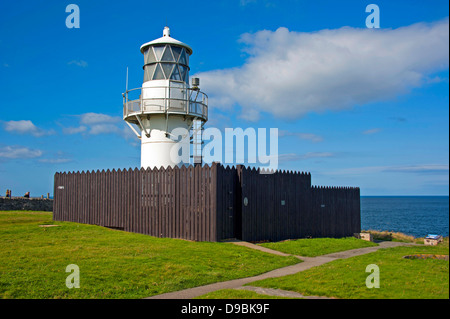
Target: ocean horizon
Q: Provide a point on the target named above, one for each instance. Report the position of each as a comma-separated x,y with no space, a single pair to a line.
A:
417,216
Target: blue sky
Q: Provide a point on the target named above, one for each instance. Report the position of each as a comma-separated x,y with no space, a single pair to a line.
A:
354,106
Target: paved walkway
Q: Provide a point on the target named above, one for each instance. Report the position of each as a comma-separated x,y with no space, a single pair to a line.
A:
308,262
279,293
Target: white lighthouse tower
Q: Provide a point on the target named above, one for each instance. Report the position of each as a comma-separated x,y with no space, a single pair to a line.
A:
166,102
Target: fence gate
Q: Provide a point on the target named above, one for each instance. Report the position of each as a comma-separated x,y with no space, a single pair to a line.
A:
229,210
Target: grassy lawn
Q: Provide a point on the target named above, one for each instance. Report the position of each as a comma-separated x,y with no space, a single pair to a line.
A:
318,246
399,277
112,263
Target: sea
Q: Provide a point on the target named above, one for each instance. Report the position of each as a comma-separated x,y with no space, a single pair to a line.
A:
417,216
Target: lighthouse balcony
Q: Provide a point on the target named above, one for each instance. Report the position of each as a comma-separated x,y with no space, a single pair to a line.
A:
165,100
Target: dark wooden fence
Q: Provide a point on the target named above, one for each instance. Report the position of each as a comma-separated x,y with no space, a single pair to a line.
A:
177,203
283,205
335,211
274,206
207,203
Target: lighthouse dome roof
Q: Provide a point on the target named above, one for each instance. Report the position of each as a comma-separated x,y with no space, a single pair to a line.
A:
166,39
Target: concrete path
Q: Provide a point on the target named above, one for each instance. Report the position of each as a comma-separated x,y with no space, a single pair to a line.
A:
261,248
308,262
279,292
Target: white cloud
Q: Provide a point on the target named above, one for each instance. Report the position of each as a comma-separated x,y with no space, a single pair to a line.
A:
266,3
420,169
104,129
309,136
432,169
246,2
99,123
292,157
80,63
303,136
372,131
318,154
26,127
58,157
74,130
289,74
398,119
95,123
14,152
55,160
95,118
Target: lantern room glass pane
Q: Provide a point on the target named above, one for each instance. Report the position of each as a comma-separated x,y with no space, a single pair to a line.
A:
145,76
159,49
176,52
183,72
176,74
148,72
149,56
158,75
167,56
145,55
167,67
182,57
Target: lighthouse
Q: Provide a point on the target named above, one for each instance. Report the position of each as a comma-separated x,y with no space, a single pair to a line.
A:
165,104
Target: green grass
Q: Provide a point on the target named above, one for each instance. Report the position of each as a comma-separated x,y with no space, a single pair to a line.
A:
112,263
400,278
317,246
237,294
